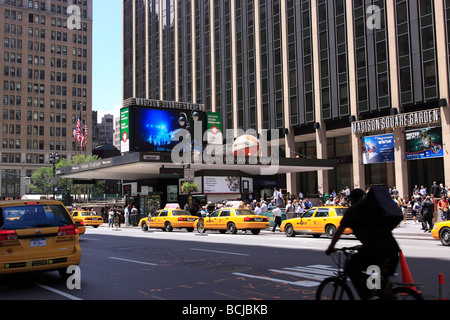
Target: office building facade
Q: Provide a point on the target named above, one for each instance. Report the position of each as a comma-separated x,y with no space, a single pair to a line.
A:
46,67
317,70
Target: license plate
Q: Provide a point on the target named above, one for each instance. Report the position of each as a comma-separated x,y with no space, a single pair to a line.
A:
191,219
258,219
40,242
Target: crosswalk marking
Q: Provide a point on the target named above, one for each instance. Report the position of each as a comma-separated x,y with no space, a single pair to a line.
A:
315,275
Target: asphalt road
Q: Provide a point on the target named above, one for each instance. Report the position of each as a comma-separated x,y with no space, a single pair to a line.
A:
128,264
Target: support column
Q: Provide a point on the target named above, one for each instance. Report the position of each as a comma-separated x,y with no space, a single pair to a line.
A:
442,59
321,131
321,146
292,181
400,164
358,174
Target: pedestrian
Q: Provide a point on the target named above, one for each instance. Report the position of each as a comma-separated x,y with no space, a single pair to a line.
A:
127,216
405,204
111,218
423,190
134,212
416,205
427,213
264,207
258,208
277,214
443,207
290,210
435,189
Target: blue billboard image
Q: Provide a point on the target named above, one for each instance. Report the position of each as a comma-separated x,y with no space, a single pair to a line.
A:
153,128
378,149
424,143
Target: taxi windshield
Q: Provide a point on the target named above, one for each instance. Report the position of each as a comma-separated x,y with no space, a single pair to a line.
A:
33,216
243,212
340,211
180,213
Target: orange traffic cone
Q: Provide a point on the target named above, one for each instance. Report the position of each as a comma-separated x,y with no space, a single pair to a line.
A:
442,294
406,275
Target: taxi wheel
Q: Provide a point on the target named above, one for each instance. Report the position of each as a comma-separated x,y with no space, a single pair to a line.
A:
444,235
289,230
200,226
190,229
330,231
256,232
144,226
168,227
231,227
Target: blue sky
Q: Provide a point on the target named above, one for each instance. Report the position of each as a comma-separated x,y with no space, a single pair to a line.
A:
107,57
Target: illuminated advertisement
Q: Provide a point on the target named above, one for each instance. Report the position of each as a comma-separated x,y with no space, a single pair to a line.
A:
378,149
152,129
424,143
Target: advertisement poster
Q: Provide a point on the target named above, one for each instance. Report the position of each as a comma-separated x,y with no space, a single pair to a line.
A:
424,143
153,129
124,130
378,149
214,128
222,185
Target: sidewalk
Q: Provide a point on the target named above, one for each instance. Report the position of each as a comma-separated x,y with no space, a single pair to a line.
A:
411,229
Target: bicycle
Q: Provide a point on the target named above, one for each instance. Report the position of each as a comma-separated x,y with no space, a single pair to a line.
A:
336,287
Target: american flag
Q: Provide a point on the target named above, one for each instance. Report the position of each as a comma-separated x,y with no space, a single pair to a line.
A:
85,135
79,135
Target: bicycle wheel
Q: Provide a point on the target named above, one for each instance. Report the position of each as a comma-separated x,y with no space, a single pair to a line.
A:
334,289
405,293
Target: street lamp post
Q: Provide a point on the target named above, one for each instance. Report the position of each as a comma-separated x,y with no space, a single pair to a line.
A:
185,120
54,158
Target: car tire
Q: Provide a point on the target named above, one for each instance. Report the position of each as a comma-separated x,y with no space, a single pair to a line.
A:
444,235
190,229
231,227
330,230
144,226
201,226
168,227
289,230
256,232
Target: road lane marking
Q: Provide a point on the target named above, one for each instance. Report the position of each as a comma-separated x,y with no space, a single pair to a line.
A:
69,296
134,261
224,252
306,283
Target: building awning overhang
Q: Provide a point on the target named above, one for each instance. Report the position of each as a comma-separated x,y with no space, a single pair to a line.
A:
140,166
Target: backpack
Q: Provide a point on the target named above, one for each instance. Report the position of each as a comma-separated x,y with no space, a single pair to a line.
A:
379,209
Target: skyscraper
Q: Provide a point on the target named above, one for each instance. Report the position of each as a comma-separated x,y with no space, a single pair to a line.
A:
309,68
46,83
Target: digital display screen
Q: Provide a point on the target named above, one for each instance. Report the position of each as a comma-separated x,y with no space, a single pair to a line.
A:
153,129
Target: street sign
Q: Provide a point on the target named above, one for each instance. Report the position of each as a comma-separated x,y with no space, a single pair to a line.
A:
189,174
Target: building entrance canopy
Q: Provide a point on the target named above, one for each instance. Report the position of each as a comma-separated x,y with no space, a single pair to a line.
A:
139,166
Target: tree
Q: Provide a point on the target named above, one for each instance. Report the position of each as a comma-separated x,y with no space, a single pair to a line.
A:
42,180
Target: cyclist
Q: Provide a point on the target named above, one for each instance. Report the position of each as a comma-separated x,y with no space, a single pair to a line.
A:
379,247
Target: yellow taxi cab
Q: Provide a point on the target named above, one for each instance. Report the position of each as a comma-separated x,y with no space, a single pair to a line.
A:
441,231
37,236
232,220
168,219
316,221
89,218
80,225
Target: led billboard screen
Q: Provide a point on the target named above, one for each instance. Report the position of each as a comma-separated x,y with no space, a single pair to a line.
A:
151,129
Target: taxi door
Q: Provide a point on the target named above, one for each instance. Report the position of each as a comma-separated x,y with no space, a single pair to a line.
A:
223,219
154,219
319,220
211,221
304,223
